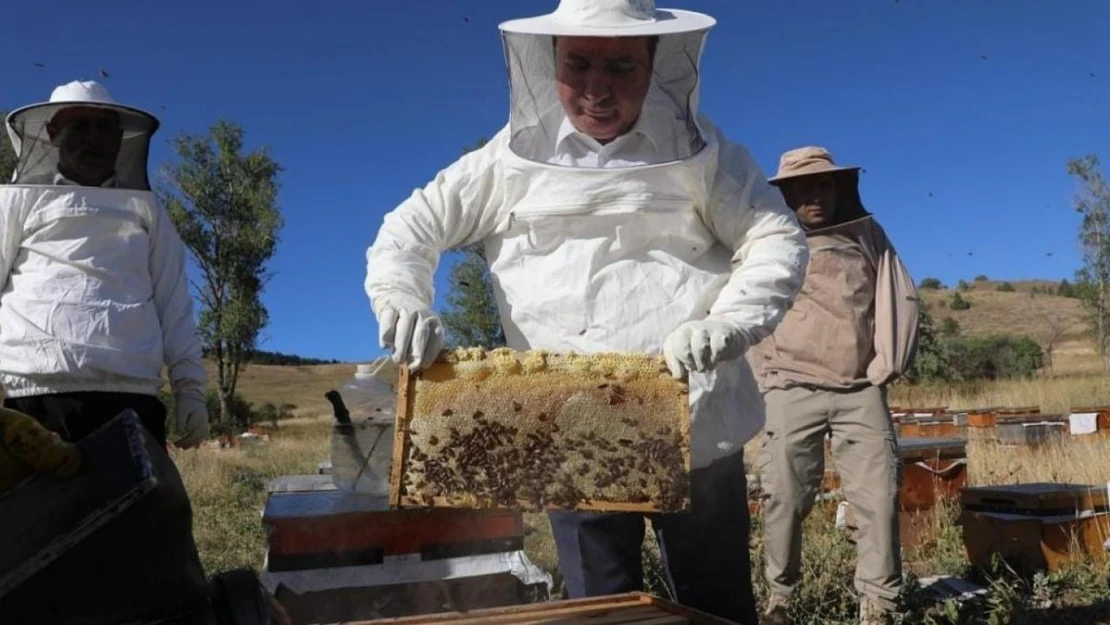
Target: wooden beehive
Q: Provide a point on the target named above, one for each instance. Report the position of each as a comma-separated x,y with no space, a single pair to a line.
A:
627,609
932,469
939,425
324,529
1030,429
534,430
1034,527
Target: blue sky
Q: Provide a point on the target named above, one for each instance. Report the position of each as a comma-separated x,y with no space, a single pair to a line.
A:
363,101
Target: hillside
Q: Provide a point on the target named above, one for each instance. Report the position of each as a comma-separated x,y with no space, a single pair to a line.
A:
1021,312
302,386
1044,318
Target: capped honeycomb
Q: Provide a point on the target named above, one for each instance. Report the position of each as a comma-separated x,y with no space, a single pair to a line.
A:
537,430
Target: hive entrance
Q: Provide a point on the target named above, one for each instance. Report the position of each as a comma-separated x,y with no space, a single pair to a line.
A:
534,430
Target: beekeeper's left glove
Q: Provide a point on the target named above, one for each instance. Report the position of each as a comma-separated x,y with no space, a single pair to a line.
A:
702,345
192,421
414,333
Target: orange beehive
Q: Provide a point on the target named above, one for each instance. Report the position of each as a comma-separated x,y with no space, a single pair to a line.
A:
1034,527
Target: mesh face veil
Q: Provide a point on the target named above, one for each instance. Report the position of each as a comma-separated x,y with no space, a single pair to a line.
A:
39,154
678,38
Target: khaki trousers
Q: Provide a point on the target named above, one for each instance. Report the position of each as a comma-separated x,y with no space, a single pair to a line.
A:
865,454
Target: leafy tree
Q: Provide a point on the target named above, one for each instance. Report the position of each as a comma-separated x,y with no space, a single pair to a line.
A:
471,317
931,284
958,302
981,278
1005,287
1092,202
224,203
8,157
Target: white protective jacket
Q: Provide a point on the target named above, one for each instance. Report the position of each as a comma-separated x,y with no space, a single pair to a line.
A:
93,294
613,260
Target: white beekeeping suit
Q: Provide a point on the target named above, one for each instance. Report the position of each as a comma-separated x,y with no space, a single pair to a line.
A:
93,290
694,256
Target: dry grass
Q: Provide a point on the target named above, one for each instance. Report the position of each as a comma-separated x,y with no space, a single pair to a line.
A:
1053,395
228,490
1074,460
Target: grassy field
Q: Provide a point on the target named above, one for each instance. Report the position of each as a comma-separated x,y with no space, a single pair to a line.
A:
228,492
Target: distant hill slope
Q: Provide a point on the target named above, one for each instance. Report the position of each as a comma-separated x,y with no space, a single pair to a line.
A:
1022,311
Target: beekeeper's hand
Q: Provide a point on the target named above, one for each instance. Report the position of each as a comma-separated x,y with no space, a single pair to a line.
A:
702,345
414,333
192,421
25,439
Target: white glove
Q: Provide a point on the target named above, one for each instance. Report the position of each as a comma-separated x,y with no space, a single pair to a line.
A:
414,333
192,421
702,345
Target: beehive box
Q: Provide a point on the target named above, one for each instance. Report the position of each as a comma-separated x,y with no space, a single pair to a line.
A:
534,430
1034,527
932,469
1030,430
627,609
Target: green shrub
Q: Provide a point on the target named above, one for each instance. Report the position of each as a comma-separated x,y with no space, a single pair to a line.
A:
931,284
946,356
958,302
949,327
1005,287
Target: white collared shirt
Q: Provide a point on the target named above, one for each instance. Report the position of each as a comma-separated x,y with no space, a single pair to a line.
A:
653,139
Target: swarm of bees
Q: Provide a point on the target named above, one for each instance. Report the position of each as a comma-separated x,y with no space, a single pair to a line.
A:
498,465
562,435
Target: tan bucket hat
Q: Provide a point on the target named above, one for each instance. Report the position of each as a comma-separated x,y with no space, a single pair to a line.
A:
807,161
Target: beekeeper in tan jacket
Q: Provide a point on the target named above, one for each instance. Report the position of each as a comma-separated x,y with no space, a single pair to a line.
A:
852,331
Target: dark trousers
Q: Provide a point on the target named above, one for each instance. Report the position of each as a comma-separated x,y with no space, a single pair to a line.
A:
76,415
705,550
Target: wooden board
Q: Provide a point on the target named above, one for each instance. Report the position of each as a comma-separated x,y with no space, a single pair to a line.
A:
329,526
913,449
627,609
534,431
1036,498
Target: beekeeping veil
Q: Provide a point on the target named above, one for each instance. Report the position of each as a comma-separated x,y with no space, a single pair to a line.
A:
38,156
529,43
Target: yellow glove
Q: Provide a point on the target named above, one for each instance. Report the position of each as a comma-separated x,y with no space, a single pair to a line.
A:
38,448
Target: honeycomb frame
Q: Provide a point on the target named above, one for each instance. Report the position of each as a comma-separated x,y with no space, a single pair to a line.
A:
534,430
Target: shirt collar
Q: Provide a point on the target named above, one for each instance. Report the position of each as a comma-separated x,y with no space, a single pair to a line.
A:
644,126
62,181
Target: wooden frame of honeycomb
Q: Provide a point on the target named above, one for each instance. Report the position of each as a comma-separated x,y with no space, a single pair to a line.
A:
534,430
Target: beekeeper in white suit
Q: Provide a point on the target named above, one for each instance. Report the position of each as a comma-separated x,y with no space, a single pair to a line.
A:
94,298
616,219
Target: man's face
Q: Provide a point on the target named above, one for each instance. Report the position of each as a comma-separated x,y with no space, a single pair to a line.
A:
813,199
602,82
88,141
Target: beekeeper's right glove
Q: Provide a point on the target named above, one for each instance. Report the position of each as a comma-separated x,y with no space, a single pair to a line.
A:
702,345
192,421
414,333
